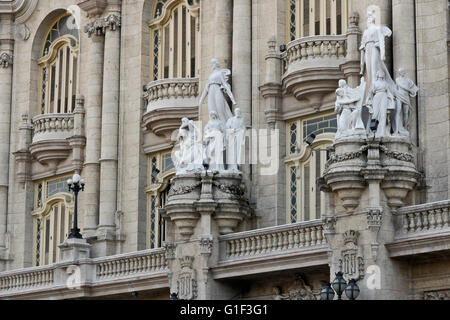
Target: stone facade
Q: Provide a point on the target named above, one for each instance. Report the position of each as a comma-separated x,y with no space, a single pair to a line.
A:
375,209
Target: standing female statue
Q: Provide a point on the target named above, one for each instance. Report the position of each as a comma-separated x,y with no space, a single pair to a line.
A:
373,52
215,88
381,104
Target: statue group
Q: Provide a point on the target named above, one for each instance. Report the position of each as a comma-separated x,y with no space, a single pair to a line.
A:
388,103
221,148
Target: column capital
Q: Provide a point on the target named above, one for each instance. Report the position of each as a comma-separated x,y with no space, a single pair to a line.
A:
99,26
6,59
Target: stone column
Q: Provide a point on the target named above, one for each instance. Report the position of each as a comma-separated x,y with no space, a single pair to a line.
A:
6,61
91,171
404,47
224,32
242,56
110,126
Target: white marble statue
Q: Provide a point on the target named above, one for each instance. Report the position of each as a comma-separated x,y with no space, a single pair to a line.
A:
215,89
348,108
214,142
373,51
381,104
235,135
189,156
406,89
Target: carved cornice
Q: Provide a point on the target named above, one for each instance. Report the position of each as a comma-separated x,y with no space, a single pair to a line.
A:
93,7
5,60
21,9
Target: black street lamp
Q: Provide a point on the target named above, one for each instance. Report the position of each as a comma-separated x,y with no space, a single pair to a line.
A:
75,184
173,296
327,292
339,285
352,290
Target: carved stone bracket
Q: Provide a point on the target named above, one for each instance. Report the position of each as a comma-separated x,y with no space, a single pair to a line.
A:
95,27
169,250
374,220
112,21
6,60
206,244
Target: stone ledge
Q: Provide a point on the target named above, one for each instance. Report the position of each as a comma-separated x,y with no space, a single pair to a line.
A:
419,244
283,260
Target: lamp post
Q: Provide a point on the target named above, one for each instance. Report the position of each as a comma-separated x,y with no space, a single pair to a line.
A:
75,184
339,285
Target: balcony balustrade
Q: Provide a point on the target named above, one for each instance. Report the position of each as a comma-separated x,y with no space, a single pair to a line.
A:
169,100
313,65
420,229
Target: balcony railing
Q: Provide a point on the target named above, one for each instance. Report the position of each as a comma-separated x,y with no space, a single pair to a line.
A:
53,126
315,47
290,246
143,269
19,280
273,240
424,219
168,100
421,229
146,261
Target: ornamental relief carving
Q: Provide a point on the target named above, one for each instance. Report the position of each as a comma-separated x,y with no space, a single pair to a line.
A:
437,295
186,279
351,262
299,291
5,60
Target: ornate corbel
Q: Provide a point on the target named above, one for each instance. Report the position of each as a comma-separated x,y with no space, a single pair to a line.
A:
374,220
6,60
112,21
206,245
95,27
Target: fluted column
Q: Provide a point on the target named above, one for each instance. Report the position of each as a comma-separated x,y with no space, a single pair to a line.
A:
110,123
223,34
91,171
6,63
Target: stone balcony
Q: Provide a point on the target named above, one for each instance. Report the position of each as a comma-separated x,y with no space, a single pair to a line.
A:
272,249
49,142
169,100
142,270
422,230
313,65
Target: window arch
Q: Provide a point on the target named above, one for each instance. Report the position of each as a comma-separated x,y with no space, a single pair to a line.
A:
175,39
59,67
160,169
52,219
304,200
316,17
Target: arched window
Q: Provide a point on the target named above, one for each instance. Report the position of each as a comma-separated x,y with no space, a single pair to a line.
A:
52,219
304,200
160,169
316,17
175,39
58,67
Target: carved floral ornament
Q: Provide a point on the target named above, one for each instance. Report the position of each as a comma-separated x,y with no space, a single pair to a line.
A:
98,26
299,291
